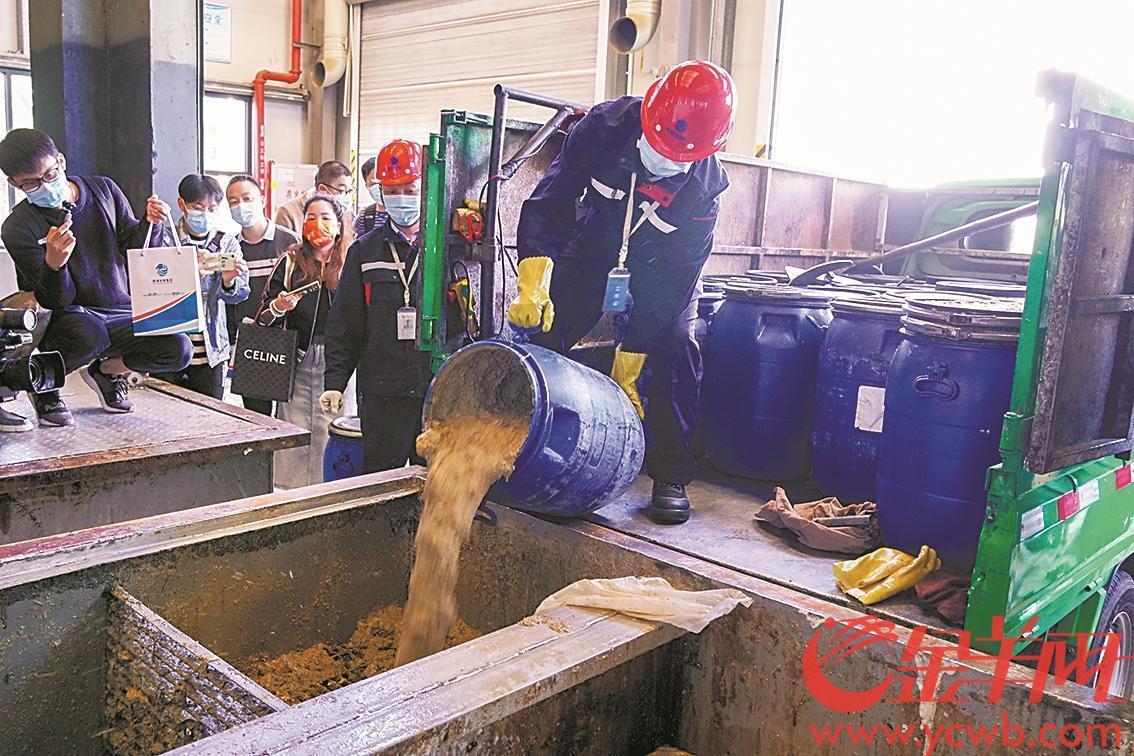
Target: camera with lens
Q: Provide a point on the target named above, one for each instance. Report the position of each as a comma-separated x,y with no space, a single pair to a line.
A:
20,370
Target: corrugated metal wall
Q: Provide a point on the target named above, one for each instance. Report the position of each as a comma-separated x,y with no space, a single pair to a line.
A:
421,56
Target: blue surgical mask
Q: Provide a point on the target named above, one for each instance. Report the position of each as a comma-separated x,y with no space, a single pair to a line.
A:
403,209
657,165
198,222
376,192
49,194
343,201
248,214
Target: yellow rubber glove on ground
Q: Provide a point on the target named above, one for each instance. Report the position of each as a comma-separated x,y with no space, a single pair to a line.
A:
905,576
532,307
627,368
870,568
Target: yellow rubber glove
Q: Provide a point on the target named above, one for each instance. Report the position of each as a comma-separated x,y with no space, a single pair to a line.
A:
905,577
533,307
870,568
627,368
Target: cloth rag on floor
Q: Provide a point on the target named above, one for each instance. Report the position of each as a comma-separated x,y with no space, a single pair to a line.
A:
780,513
947,593
651,598
883,573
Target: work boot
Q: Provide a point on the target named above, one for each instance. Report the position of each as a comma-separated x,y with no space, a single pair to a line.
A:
668,504
10,422
113,390
51,410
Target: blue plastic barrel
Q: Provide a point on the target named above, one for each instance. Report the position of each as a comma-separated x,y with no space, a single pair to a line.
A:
343,456
708,303
849,397
947,390
759,385
585,445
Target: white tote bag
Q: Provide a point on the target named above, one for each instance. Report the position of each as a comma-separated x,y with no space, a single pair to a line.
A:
165,289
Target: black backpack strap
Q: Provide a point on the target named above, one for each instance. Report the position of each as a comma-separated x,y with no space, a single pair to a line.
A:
214,242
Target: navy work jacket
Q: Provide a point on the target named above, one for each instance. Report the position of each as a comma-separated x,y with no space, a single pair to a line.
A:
581,203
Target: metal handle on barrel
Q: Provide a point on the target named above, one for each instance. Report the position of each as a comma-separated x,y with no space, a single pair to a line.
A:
523,335
942,388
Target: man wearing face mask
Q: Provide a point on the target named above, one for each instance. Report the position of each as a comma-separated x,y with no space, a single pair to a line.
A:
262,242
649,182
374,216
68,240
198,198
333,180
373,321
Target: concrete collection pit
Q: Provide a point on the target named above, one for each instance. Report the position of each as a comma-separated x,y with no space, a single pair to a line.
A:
136,637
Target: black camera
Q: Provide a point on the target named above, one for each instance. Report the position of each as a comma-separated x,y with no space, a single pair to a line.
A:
20,370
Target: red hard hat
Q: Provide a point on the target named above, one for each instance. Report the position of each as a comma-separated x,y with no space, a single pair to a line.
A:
399,162
687,114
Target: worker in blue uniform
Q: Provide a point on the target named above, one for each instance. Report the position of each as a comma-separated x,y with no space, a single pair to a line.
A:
372,327
635,190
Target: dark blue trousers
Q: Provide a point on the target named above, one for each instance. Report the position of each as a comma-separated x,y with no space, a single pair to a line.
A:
84,334
670,384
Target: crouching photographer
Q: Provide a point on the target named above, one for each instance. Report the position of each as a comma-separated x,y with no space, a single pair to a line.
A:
20,370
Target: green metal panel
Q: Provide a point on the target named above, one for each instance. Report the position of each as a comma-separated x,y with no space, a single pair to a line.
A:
1033,560
433,267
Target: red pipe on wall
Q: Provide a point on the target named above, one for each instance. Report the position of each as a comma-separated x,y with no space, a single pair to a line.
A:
285,77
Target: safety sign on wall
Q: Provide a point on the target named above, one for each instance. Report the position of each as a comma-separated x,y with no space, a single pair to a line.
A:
217,23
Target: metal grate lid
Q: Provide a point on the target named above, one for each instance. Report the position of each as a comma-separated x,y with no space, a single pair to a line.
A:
963,317
752,292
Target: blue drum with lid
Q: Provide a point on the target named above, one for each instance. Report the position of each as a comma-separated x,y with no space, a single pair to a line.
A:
585,445
849,398
343,456
759,385
947,391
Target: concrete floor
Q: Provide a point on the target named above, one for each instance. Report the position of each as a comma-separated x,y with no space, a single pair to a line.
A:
723,530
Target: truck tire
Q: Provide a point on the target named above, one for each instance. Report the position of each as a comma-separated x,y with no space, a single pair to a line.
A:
1118,617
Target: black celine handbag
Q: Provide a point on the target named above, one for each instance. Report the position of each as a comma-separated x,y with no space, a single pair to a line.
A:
265,360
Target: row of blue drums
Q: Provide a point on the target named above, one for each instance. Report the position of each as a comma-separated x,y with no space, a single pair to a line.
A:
882,390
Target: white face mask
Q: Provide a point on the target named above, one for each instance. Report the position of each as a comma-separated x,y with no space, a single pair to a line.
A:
657,165
376,192
248,214
403,209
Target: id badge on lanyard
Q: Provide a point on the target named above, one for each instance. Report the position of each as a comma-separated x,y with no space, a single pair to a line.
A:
616,298
407,316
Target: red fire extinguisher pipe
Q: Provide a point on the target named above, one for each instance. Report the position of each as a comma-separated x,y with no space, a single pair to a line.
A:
286,77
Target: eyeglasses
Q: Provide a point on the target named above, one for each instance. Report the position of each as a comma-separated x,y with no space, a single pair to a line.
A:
32,184
340,189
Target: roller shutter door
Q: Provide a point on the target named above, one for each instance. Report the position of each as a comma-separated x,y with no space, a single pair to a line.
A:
422,56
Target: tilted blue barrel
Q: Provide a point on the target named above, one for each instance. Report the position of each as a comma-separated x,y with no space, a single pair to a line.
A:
343,456
585,444
759,385
947,390
847,430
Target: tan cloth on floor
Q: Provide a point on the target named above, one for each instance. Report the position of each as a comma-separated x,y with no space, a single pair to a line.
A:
649,598
780,513
947,593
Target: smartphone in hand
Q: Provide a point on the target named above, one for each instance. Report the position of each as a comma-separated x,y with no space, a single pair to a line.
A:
305,289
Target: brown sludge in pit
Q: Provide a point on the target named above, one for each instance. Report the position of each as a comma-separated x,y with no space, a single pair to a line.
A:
299,675
467,451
